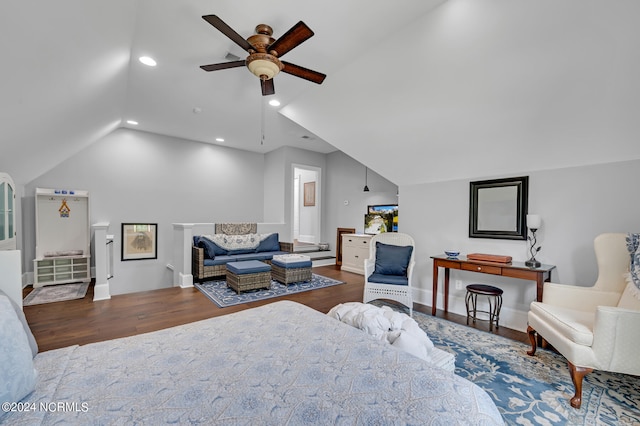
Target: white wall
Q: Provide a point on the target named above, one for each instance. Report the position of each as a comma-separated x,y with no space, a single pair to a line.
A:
576,204
346,203
274,175
135,176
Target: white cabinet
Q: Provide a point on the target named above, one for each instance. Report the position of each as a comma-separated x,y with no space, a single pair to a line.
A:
355,249
62,237
7,213
59,270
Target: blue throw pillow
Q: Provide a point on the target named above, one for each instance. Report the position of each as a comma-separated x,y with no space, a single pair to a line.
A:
392,260
270,243
211,249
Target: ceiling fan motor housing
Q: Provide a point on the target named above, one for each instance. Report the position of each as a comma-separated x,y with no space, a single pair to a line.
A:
262,64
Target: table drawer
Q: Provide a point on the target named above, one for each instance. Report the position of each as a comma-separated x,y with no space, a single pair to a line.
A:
486,269
448,264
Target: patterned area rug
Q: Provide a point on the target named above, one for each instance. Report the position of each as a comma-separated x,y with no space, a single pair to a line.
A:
223,296
533,390
55,293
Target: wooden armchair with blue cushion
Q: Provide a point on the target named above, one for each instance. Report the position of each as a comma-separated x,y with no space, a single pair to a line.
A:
389,269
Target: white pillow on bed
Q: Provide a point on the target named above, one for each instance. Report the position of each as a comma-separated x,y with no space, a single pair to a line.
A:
17,375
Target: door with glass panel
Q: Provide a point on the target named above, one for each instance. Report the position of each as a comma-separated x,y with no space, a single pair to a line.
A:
7,213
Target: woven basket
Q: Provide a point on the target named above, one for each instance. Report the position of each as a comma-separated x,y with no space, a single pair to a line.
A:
290,275
246,282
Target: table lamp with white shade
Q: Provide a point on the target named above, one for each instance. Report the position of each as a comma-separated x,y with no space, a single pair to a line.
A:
533,223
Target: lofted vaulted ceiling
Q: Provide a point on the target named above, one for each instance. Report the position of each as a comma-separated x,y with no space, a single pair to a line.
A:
70,72
419,91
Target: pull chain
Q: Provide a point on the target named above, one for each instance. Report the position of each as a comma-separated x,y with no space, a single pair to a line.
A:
262,122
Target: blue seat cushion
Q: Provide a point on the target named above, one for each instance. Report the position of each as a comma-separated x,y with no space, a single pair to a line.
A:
287,265
252,256
392,260
388,279
219,260
248,267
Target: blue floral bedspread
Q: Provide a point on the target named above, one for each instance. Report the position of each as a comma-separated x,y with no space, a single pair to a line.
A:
282,363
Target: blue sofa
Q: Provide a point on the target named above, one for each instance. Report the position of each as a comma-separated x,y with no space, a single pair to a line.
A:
211,253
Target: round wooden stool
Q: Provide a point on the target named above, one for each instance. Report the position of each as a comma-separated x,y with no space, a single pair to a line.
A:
494,296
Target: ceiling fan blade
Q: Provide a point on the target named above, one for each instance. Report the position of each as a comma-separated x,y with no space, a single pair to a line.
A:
228,31
267,87
222,66
302,72
291,39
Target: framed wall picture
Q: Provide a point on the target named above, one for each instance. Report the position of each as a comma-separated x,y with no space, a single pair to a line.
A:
498,208
310,194
139,241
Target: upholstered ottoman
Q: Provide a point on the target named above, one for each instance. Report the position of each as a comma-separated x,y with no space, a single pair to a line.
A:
248,275
291,268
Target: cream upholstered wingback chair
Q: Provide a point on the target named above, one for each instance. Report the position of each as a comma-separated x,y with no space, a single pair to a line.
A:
389,269
594,328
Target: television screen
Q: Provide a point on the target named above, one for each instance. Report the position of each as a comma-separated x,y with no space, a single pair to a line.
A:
381,218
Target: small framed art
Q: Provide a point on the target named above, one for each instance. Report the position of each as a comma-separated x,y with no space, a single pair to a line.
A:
139,241
310,194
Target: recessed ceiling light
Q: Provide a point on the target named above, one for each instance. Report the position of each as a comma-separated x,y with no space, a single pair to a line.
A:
219,140
147,61
274,102
132,122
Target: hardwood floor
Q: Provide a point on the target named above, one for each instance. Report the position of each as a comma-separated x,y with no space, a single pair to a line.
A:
83,321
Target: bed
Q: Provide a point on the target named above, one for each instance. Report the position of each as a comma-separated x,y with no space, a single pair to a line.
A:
281,363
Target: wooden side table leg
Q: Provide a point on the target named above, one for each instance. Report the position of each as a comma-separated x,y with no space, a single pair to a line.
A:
539,287
446,289
434,298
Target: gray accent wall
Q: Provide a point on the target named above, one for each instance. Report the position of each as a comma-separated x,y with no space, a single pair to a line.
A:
576,204
134,176
347,202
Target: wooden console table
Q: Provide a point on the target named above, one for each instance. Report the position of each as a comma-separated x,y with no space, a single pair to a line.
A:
512,270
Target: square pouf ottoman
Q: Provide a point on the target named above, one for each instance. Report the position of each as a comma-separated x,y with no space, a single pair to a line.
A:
248,275
291,268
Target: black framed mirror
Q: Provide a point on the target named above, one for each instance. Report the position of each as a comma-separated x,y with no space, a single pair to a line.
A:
498,208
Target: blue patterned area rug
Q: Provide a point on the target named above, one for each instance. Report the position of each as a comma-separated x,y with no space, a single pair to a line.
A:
224,296
533,390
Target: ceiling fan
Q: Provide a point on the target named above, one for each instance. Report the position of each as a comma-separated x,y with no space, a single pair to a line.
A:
264,53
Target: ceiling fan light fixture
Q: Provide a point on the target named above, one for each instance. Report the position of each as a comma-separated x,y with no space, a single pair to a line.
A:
263,65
